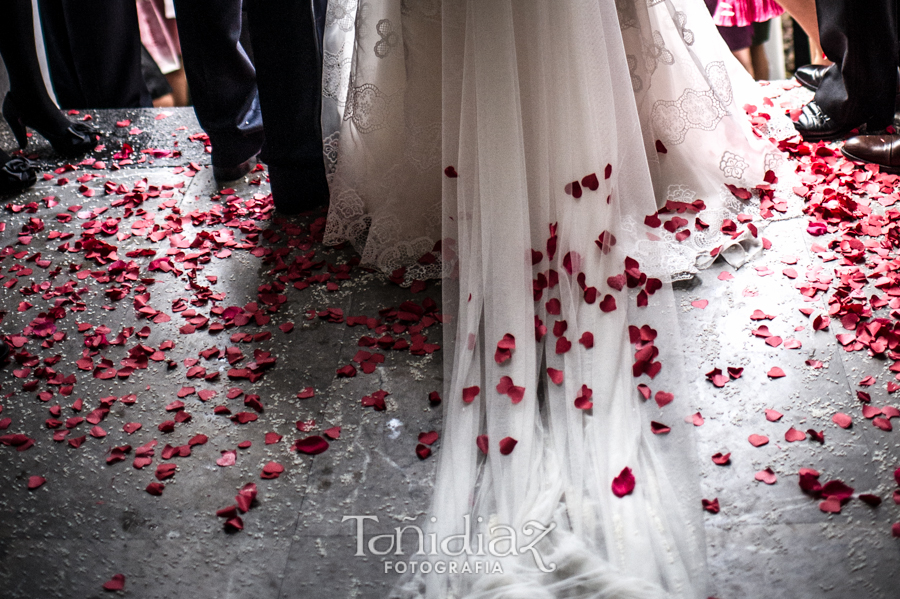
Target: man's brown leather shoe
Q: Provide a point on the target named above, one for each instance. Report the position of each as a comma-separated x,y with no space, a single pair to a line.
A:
883,150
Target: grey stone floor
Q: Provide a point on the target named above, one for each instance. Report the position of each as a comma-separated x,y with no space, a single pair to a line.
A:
91,519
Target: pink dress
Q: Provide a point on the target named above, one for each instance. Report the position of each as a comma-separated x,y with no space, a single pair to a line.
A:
740,13
159,34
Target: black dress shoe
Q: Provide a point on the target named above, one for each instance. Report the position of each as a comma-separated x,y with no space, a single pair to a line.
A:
16,174
4,351
224,174
810,76
69,139
883,150
815,125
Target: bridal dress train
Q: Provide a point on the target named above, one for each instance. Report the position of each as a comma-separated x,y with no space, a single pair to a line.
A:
560,162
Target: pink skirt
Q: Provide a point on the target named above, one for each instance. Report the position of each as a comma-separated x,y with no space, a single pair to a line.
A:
159,34
740,13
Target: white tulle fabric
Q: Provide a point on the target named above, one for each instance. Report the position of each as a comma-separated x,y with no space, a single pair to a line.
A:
521,98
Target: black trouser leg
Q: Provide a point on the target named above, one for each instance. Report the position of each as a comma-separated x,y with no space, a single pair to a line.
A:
94,53
320,10
861,39
289,75
17,47
221,78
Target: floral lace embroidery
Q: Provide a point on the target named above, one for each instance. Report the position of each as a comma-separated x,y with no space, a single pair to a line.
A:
681,25
389,38
656,52
368,108
732,165
341,13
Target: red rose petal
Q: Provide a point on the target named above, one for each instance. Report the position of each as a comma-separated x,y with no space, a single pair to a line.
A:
470,393
423,451
312,445
164,471
507,444
658,428
117,582
775,372
583,401
663,398
721,459
482,442
623,484
767,476
587,340
758,440
870,500
842,420
555,375
155,489
773,415
428,438
793,435
272,470
229,458
608,304
35,481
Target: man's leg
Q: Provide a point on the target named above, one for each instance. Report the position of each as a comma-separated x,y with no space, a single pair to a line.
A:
94,50
222,82
861,87
289,75
63,74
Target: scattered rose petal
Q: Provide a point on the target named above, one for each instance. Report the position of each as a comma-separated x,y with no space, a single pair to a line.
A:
507,444
312,445
117,582
767,476
623,484
272,470
758,440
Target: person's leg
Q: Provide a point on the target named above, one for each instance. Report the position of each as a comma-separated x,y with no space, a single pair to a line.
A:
289,75
744,57
222,81
758,52
817,56
320,9
160,91
17,47
28,103
178,82
862,42
102,53
760,62
63,74
804,12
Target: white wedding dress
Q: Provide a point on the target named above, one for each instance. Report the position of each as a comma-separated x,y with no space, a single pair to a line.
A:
527,144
